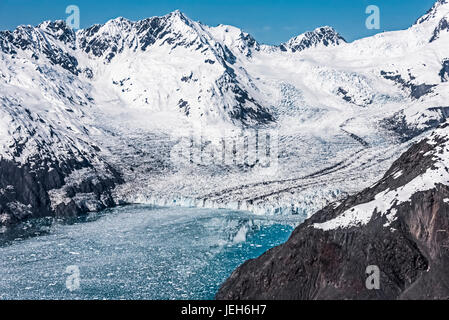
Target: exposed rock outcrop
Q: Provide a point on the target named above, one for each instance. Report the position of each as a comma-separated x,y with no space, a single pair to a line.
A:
400,225
30,191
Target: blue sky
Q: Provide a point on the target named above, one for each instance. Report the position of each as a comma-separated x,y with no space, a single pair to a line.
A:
268,21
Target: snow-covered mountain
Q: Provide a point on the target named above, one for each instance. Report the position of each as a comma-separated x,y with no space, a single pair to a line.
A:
325,36
89,118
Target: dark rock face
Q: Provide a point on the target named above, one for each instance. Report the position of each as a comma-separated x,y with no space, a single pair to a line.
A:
412,252
416,90
250,43
345,95
24,190
444,73
40,172
443,25
406,131
247,110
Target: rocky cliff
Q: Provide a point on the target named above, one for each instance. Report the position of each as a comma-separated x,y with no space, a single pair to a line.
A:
400,225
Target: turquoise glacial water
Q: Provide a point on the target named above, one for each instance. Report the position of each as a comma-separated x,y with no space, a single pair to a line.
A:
136,252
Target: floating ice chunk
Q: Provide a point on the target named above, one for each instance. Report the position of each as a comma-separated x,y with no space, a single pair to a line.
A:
241,234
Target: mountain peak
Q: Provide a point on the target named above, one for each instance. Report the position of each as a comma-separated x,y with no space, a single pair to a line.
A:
436,20
323,36
177,13
119,20
120,23
59,30
438,11
172,17
49,24
180,16
235,38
